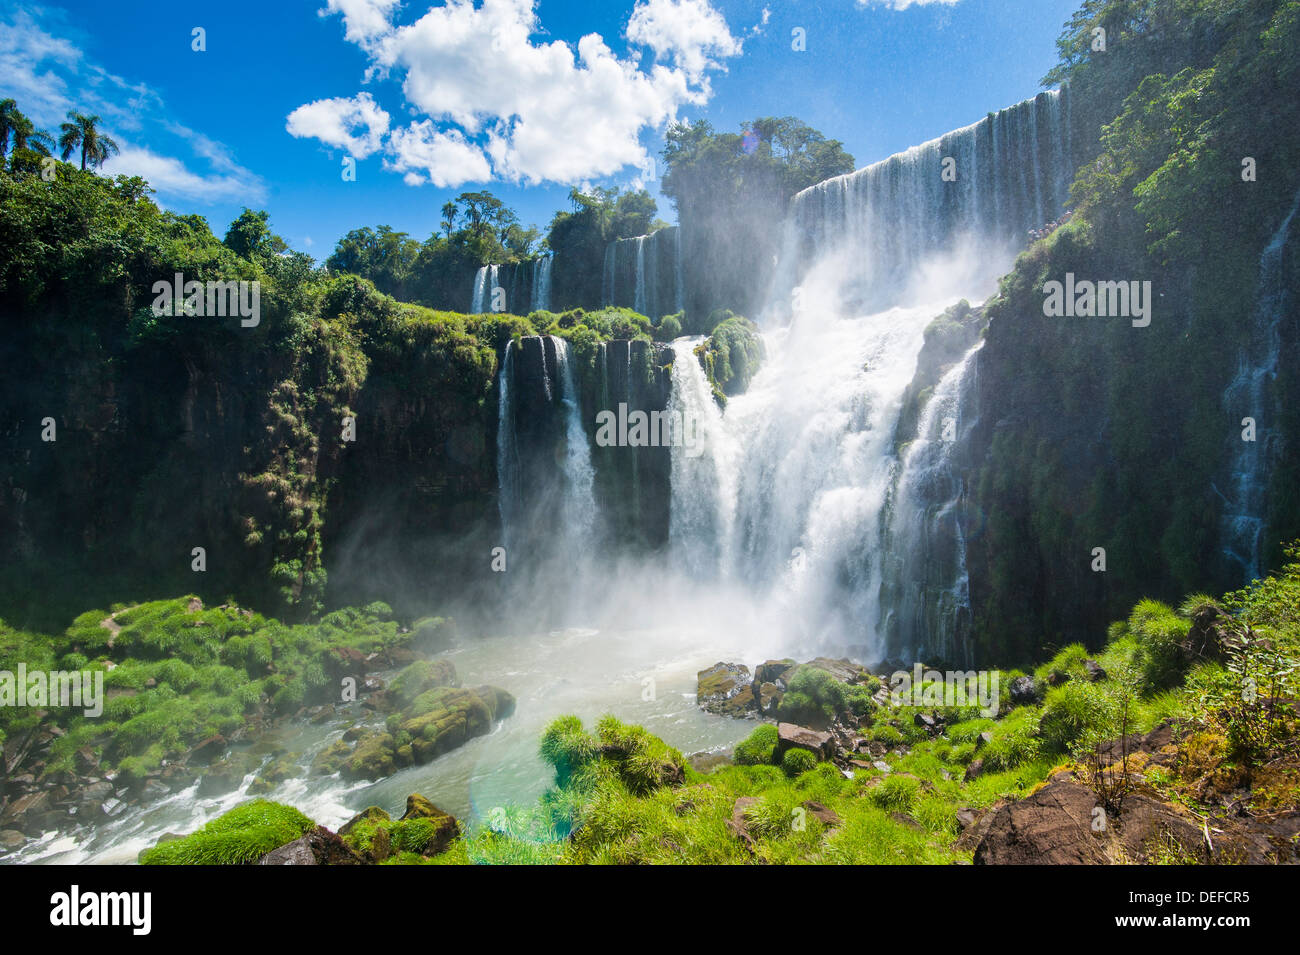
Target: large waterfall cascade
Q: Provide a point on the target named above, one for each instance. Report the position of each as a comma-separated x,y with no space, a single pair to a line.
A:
798,497
990,182
1248,395
859,548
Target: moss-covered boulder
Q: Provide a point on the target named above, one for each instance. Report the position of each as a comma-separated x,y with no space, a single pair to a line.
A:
726,689
419,677
424,830
436,722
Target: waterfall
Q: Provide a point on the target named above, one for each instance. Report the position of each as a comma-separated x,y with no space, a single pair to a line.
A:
849,543
480,291
607,276
990,182
579,476
485,283
645,273
639,297
703,484
1249,395
541,284
927,586
507,453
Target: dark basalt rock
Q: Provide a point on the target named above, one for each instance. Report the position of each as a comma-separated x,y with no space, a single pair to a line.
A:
1024,690
317,847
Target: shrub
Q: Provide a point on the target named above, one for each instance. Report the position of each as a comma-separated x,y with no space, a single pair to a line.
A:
759,748
1161,636
1077,712
797,761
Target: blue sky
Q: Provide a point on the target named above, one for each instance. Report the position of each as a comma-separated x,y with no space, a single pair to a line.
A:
504,95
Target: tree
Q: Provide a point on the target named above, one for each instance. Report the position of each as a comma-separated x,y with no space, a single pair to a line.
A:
250,236
726,185
381,255
16,127
81,132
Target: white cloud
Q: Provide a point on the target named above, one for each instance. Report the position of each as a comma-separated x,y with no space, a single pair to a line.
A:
357,125
48,74
689,33
903,4
363,19
541,112
169,176
445,159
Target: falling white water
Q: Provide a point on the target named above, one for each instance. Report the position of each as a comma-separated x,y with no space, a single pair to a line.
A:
1248,396
507,454
485,283
995,180
927,582
703,504
579,475
608,276
816,467
653,264
639,297
480,286
542,284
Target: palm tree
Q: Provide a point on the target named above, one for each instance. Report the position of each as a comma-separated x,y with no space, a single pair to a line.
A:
9,116
18,128
81,132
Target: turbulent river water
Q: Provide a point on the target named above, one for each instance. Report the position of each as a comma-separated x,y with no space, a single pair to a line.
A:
646,677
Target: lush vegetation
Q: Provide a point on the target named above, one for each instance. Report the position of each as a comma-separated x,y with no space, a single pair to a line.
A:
176,674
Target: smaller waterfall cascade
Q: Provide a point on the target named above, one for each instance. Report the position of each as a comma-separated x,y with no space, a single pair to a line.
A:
990,182
541,299
645,274
703,470
926,602
1249,396
485,280
507,452
579,475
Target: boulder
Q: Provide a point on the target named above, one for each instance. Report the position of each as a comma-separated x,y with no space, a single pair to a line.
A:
445,828
1024,690
11,839
769,697
1053,826
1211,626
27,813
844,670
974,770
773,671
792,736
318,847
737,824
1094,670
207,751
726,689
371,814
